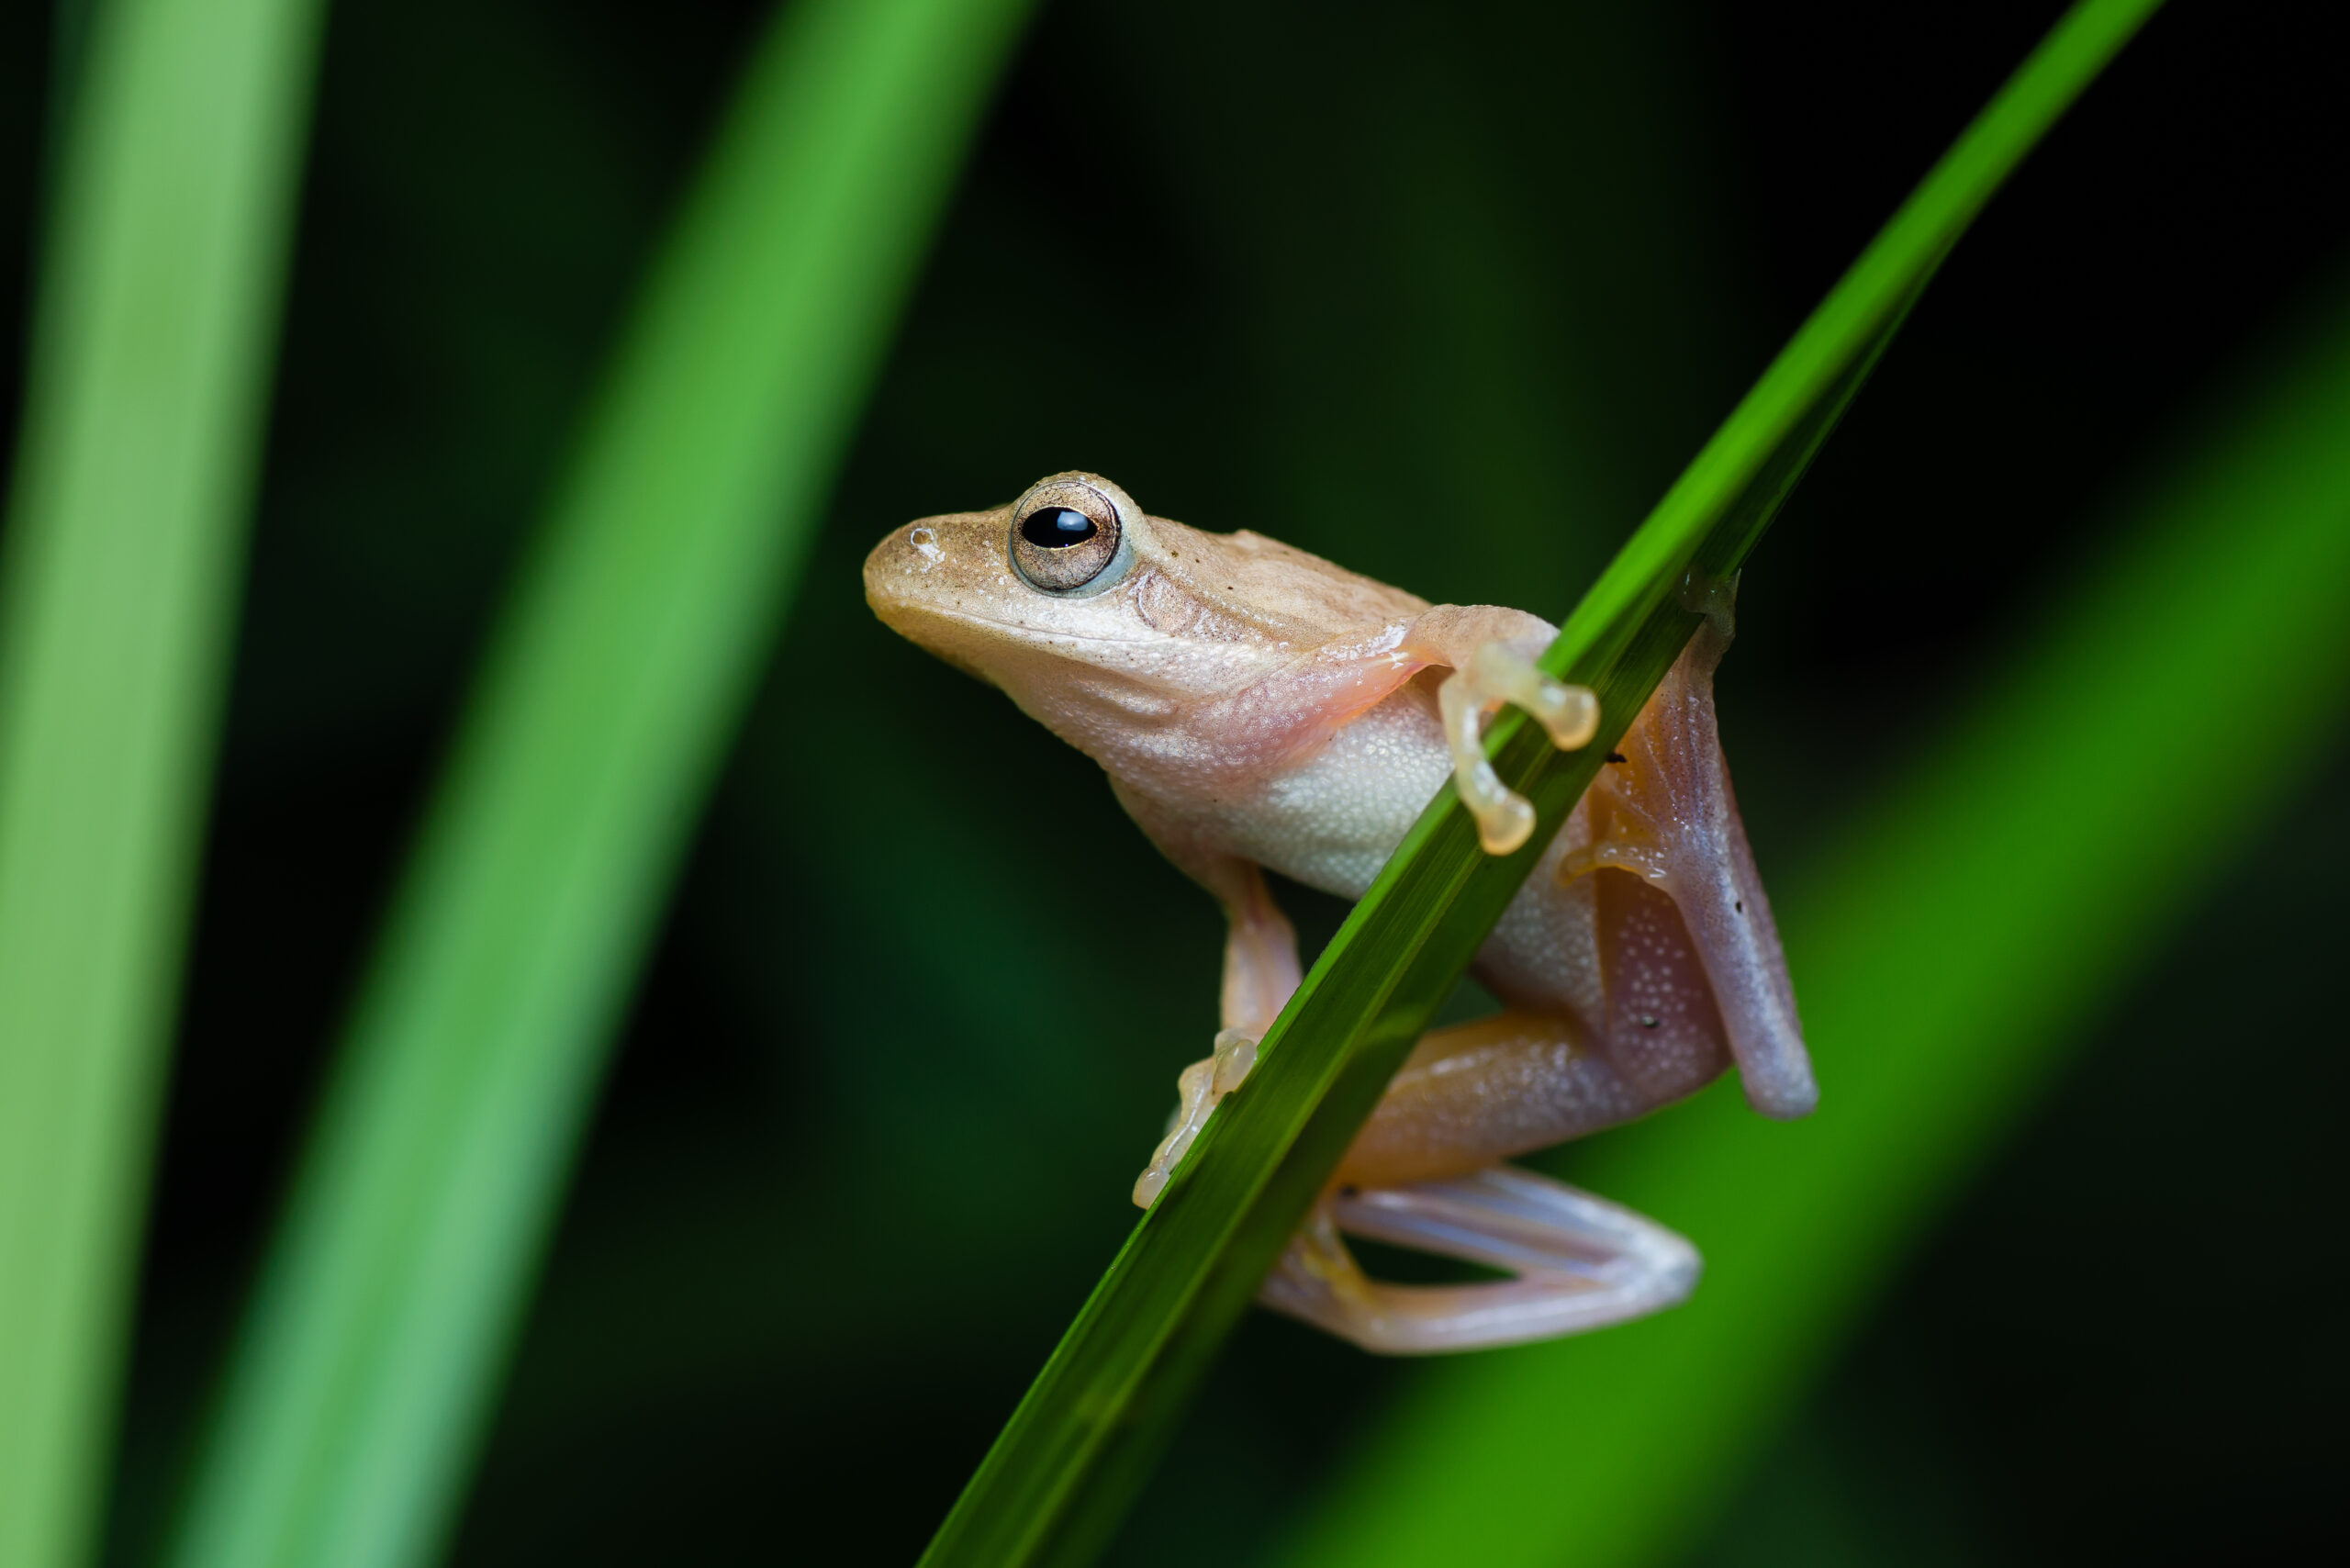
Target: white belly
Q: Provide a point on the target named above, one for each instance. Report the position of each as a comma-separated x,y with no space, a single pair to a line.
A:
1332,824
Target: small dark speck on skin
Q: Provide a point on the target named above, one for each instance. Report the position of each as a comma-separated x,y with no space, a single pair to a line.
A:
1739,904
1615,757
1348,1191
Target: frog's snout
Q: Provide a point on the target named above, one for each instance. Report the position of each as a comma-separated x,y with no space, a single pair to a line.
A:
894,570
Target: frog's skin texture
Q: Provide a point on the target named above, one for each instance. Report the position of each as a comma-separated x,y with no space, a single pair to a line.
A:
1255,706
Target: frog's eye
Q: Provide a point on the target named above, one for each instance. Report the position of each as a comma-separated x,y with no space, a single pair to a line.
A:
1065,536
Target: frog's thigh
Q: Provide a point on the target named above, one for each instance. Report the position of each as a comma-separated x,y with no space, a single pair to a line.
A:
1478,1092
1579,1262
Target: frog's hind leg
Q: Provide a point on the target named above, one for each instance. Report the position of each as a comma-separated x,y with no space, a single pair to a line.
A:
1577,1262
1424,1174
1663,811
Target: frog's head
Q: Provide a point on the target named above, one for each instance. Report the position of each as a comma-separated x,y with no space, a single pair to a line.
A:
1087,611
1043,572
1026,596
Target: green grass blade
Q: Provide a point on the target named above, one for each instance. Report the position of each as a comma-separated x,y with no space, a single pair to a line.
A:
157,313
1946,954
365,1373
1059,1476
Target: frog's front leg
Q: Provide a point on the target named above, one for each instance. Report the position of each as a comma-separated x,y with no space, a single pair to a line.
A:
1491,652
1260,971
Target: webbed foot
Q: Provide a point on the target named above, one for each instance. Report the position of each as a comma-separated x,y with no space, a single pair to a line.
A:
1578,1262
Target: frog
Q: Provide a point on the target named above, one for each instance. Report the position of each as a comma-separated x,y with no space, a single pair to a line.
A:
1257,708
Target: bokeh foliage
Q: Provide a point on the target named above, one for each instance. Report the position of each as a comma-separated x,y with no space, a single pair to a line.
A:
613,680
166,243
1424,289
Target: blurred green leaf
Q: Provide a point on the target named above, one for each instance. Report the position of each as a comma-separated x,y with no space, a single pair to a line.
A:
157,311
1061,1475
368,1364
1951,947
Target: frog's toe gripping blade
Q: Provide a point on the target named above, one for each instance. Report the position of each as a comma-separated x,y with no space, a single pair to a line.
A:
1200,1090
1502,672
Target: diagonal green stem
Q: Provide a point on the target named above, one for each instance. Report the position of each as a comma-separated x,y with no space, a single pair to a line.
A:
367,1367
179,159
1059,1476
1955,942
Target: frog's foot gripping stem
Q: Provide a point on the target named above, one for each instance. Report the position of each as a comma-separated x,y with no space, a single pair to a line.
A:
1579,1262
1497,673
1198,1091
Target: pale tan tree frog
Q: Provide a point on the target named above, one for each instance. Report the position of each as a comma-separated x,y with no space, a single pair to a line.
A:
1255,706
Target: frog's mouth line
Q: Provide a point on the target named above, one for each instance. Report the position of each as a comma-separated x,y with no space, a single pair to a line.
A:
1022,634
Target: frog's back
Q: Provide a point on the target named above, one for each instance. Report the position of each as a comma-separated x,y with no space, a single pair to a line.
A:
1276,589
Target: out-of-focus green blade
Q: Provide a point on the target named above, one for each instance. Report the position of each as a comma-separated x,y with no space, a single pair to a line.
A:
363,1374
1943,956
1061,1475
151,350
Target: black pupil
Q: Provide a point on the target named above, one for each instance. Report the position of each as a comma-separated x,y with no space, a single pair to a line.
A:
1057,528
